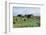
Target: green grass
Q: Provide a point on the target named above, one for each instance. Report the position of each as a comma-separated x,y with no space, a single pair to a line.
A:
34,21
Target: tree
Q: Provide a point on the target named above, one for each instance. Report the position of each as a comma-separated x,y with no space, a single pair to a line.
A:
28,16
19,15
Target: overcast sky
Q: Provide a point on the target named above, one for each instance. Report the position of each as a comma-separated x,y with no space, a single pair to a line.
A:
26,10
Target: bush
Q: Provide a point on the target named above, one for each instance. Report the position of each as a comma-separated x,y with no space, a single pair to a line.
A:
13,22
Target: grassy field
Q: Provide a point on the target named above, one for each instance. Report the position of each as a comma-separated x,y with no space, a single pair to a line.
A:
18,22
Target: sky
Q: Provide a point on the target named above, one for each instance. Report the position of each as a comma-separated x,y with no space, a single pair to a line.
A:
26,10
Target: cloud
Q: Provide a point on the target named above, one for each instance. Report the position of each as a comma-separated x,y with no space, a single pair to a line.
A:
26,10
